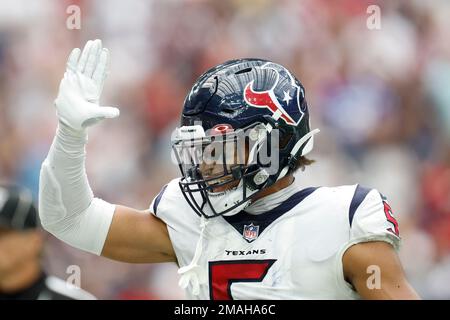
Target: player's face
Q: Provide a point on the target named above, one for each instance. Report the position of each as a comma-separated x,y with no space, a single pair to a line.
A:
212,160
216,163
219,159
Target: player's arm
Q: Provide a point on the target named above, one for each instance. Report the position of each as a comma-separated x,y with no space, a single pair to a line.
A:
137,237
67,206
364,262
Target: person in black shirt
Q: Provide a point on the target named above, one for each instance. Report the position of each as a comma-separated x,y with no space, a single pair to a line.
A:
21,242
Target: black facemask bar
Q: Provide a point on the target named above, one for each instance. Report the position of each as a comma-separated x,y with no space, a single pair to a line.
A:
203,198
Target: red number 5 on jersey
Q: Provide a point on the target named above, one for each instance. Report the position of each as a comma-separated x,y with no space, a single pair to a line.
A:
223,273
391,219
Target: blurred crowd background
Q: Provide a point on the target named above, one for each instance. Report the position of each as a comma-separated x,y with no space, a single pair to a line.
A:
380,97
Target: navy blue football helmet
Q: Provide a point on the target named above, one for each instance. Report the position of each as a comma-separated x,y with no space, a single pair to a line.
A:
236,115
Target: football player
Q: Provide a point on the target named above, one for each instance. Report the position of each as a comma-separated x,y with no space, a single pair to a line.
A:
234,222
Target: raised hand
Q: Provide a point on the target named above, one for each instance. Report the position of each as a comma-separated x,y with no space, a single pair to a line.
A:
77,103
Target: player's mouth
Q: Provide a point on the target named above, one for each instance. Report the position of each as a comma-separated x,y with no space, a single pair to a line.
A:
222,185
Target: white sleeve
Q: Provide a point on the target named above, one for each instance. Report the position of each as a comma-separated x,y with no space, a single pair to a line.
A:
372,219
67,207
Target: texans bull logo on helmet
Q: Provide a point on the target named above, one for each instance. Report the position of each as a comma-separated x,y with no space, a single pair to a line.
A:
289,108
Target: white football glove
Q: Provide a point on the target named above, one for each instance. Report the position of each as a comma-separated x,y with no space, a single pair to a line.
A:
77,103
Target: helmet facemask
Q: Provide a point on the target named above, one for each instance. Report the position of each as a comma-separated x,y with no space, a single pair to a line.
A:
222,168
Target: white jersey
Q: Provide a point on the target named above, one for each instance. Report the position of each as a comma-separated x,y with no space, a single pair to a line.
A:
288,245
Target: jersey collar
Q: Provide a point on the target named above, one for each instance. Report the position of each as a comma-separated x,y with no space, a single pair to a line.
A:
263,220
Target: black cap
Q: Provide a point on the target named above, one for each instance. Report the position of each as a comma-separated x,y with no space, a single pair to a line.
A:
17,210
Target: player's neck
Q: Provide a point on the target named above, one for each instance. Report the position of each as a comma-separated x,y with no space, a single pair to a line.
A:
277,186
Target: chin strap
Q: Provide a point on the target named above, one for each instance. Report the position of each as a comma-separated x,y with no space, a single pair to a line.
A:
193,273
294,156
